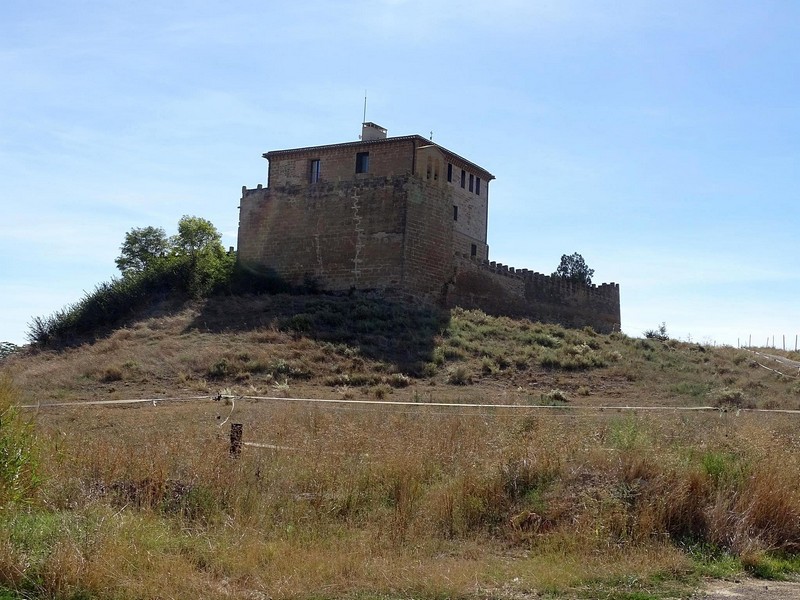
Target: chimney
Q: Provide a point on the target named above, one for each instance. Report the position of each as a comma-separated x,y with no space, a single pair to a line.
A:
371,131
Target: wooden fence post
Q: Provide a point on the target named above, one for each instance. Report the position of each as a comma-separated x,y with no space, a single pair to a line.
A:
237,430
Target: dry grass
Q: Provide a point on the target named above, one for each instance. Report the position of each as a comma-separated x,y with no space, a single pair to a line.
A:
417,501
390,502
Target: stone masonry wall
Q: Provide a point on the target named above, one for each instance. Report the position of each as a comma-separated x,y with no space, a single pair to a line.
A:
341,234
502,290
428,249
387,158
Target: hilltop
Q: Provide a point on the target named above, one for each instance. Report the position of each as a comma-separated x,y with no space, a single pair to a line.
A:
330,346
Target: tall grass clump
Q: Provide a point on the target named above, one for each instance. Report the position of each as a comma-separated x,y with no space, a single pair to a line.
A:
19,472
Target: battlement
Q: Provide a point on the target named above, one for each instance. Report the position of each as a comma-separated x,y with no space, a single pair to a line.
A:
503,290
604,291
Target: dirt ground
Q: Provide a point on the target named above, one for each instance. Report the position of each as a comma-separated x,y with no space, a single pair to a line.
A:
749,589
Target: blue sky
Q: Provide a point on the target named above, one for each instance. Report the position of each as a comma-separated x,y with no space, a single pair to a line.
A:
661,140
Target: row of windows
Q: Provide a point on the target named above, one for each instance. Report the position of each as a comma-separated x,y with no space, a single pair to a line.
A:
362,166
315,166
474,182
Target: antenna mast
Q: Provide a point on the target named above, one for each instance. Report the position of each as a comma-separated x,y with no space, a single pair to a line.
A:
364,120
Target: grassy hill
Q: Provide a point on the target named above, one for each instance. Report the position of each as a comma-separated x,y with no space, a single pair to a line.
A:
568,493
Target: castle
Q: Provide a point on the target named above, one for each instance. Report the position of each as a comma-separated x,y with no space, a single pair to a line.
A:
405,216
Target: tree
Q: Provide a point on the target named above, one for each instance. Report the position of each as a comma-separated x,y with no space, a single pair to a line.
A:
196,236
198,247
574,268
141,248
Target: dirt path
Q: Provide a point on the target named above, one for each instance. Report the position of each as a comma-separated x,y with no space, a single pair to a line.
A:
749,589
780,359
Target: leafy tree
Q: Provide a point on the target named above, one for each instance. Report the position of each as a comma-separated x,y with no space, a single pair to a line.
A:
141,248
574,268
196,236
199,245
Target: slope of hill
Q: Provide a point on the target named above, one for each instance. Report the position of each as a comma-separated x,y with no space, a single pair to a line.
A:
327,346
569,493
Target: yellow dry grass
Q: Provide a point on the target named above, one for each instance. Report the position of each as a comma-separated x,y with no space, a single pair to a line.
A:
397,501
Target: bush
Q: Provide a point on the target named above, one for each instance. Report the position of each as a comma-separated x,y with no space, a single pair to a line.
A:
660,333
7,349
729,397
459,376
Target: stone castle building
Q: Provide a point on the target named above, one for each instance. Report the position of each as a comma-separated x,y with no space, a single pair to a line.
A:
405,216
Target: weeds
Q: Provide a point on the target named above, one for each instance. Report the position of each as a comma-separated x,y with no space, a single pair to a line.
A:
19,462
419,500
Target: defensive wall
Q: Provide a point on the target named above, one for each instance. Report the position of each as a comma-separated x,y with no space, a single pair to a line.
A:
396,234
386,233
502,290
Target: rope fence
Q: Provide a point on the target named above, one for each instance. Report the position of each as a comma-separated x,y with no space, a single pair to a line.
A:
237,441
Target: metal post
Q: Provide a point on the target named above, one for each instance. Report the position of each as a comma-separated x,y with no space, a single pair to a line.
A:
236,439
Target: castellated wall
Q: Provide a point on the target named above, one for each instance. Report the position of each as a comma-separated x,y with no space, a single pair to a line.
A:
376,233
397,234
501,290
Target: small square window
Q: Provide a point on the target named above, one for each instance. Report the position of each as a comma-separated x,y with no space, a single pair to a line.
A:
314,168
455,212
463,178
471,182
478,185
362,162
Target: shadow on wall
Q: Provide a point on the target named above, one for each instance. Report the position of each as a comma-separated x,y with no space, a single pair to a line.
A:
395,331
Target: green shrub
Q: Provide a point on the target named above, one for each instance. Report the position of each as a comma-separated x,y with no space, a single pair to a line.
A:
220,369
555,397
399,380
728,397
7,349
459,376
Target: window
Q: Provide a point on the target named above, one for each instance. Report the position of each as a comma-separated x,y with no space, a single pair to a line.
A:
463,178
362,162
450,172
473,251
314,171
471,182
478,185
455,213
